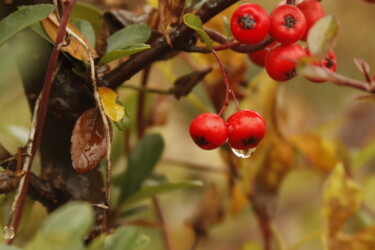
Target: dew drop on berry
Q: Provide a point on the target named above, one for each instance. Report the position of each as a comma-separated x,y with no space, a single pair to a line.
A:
244,153
8,233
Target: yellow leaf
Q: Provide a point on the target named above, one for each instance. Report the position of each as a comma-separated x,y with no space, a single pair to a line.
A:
319,151
108,98
364,240
342,198
74,48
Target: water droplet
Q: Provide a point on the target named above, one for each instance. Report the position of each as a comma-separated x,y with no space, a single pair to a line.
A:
8,233
244,153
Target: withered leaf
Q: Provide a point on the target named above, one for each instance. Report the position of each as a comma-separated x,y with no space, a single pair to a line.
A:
184,84
363,240
89,144
9,180
170,12
74,48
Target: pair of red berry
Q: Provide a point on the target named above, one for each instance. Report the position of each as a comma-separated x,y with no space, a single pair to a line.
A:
286,24
243,130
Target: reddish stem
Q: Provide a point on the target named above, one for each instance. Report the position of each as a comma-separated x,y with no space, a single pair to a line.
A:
228,87
42,111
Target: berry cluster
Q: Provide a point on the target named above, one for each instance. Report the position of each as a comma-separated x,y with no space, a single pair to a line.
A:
243,130
286,25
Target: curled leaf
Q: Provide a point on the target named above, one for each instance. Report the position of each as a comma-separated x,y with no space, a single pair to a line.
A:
108,98
89,144
74,48
169,13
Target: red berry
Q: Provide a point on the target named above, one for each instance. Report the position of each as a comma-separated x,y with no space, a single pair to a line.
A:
288,24
250,23
246,129
259,57
281,61
313,11
328,61
209,131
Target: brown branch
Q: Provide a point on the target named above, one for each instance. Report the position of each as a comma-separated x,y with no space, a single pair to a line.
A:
179,36
163,226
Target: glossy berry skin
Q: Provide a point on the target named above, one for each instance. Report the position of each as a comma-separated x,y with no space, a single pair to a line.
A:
208,131
281,61
313,11
246,129
259,57
288,24
328,61
250,23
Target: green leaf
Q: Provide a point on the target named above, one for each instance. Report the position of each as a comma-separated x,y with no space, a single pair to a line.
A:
126,51
150,191
38,28
196,24
65,228
124,238
130,35
8,247
227,27
124,123
141,162
86,29
22,18
88,12
322,36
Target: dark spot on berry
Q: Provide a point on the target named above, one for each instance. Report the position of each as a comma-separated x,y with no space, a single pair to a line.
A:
291,73
289,21
329,62
246,22
248,142
201,141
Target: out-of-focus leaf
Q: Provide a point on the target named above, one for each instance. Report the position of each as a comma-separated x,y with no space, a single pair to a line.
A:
8,247
227,27
89,144
367,98
239,198
306,68
170,12
124,238
319,151
22,18
74,48
65,228
252,246
108,98
127,51
341,197
196,24
363,240
150,191
184,84
124,123
86,29
322,36
141,162
88,12
130,35
362,66
364,155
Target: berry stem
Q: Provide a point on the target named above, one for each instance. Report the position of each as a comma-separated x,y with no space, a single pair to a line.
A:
228,87
291,2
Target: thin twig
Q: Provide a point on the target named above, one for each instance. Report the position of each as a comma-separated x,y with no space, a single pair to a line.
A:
106,128
159,214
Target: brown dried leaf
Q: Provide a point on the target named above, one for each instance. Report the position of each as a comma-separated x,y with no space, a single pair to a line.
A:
76,49
319,151
184,84
89,144
9,180
362,65
342,198
170,12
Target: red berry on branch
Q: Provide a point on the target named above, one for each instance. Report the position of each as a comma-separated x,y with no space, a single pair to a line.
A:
250,23
313,11
281,61
208,131
259,57
328,61
246,129
288,24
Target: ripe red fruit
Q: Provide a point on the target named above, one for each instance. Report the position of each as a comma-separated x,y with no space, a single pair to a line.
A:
281,61
209,131
313,11
250,23
246,129
259,57
288,24
328,61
